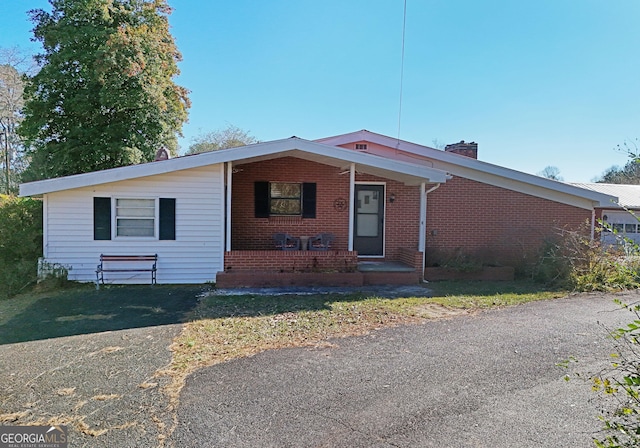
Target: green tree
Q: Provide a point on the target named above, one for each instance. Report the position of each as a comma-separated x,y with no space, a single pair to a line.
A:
630,172
229,137
104,96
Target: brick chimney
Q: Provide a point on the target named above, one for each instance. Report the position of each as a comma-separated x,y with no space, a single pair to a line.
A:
464,149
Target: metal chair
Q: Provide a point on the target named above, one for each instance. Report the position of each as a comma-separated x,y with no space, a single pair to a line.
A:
322,241
284,241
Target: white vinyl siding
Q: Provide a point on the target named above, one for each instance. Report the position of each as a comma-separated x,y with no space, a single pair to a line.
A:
195,256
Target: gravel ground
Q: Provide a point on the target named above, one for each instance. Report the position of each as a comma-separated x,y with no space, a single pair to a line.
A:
487,380
102,385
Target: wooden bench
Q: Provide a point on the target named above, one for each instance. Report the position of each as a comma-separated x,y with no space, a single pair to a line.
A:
124,259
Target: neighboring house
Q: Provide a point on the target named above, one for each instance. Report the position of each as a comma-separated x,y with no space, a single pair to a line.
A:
620,217
383,199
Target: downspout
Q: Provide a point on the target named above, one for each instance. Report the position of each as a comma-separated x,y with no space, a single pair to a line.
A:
423,225
352,195
593,224
45,226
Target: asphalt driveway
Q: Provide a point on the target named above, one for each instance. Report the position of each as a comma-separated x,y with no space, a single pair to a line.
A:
488,380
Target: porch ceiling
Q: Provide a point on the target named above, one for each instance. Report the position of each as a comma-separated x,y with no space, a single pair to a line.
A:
409,174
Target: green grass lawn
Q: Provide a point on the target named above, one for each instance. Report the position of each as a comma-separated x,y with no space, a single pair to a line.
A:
225,327
479,295
82,309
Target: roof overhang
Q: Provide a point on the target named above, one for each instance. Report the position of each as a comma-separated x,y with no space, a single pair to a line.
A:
484,172
407,173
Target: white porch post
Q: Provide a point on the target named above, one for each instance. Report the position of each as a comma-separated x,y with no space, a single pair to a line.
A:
352,193
228,207
422,238
423,222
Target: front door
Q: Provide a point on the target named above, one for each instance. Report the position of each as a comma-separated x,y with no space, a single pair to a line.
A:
368,232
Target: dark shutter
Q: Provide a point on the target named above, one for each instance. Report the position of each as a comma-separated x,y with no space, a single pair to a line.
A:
101,218
167,219
261,199
308,200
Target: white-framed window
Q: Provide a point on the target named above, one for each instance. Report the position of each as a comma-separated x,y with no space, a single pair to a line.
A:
135,217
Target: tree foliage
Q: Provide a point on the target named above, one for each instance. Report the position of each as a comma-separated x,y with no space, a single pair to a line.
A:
104,96
551,172
621,382
628,174
20,242
229,137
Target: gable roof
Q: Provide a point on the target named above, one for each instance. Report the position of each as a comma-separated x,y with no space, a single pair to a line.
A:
408,173
484,172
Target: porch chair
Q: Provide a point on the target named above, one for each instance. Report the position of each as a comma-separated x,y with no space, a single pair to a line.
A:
322,241
284,241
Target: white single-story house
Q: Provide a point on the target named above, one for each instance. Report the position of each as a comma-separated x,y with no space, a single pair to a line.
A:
381,199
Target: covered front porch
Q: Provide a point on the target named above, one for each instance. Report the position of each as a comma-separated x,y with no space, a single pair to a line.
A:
373,209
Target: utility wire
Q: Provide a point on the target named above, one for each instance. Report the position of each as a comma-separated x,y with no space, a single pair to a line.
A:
404,26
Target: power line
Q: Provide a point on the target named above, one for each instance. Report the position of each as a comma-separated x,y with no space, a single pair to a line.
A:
404,26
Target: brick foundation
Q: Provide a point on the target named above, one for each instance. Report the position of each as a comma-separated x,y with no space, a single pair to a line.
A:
291,261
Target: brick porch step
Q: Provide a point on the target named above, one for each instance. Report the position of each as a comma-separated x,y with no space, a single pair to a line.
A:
266,279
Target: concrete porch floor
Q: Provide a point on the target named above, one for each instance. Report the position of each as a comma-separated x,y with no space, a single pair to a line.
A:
384,266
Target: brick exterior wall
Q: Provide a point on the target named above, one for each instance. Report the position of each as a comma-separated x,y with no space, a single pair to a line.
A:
251,233
491,223
410,257
290,261
402,216
496,225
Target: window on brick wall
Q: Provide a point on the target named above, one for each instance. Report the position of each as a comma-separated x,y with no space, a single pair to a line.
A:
285,199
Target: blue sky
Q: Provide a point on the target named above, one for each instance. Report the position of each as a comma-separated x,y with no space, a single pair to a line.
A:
535,83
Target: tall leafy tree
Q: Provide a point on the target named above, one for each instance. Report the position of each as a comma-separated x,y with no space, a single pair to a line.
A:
104,96
229,137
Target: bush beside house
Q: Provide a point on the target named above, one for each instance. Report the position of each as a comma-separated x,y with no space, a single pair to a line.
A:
20,243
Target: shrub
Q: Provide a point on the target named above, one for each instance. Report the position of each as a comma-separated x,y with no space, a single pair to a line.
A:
621,381
20,243
575,261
